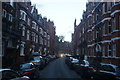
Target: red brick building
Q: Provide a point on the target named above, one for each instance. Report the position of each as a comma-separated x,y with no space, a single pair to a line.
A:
51,31
98,33
28,33
9,34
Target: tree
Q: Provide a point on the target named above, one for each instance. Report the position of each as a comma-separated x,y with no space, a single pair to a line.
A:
61,38
57,44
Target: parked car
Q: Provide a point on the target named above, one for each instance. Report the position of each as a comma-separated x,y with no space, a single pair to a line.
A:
73,62
51,57
8,74
68,60
38,62
85,70
28,69
108,72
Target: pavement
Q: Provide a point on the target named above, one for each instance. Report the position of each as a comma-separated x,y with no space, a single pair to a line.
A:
58,69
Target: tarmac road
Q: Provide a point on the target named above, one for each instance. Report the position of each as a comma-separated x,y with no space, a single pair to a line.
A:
58,69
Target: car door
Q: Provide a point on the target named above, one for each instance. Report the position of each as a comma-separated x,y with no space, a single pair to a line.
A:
7,75
107,72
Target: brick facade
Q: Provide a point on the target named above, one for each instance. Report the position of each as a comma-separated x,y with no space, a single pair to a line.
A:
99,31
28,31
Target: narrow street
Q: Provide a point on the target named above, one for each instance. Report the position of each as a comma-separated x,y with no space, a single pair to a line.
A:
58,69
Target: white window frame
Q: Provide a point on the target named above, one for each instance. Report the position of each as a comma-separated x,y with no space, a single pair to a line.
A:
10,18
93,52
28,34
41,40
48,43
45,34
103,50
10,43
104,30
108,6
23,15
113,23
114,2
33,24
42,32
4,13
45,42
109,27
32,36
119,21
97,15
36,27
97,34
36,38
109,51
80,35
23,30
83,30
93,34
48,37
93,19
28,22
114,50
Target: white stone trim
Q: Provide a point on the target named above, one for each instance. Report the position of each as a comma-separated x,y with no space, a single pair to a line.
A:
116,38
105,19
89,15
116,11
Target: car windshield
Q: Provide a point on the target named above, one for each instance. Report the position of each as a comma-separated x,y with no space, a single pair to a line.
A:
25,66
75,60
36,58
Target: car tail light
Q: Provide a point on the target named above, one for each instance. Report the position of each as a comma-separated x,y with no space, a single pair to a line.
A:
26,73
88,68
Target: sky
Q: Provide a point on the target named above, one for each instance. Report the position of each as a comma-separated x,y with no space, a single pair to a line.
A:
63,13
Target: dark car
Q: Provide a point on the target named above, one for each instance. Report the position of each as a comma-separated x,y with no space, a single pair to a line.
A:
28,69
108,72
8,74
85,70
38,61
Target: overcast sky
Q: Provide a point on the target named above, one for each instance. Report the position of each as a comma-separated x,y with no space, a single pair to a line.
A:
62,13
